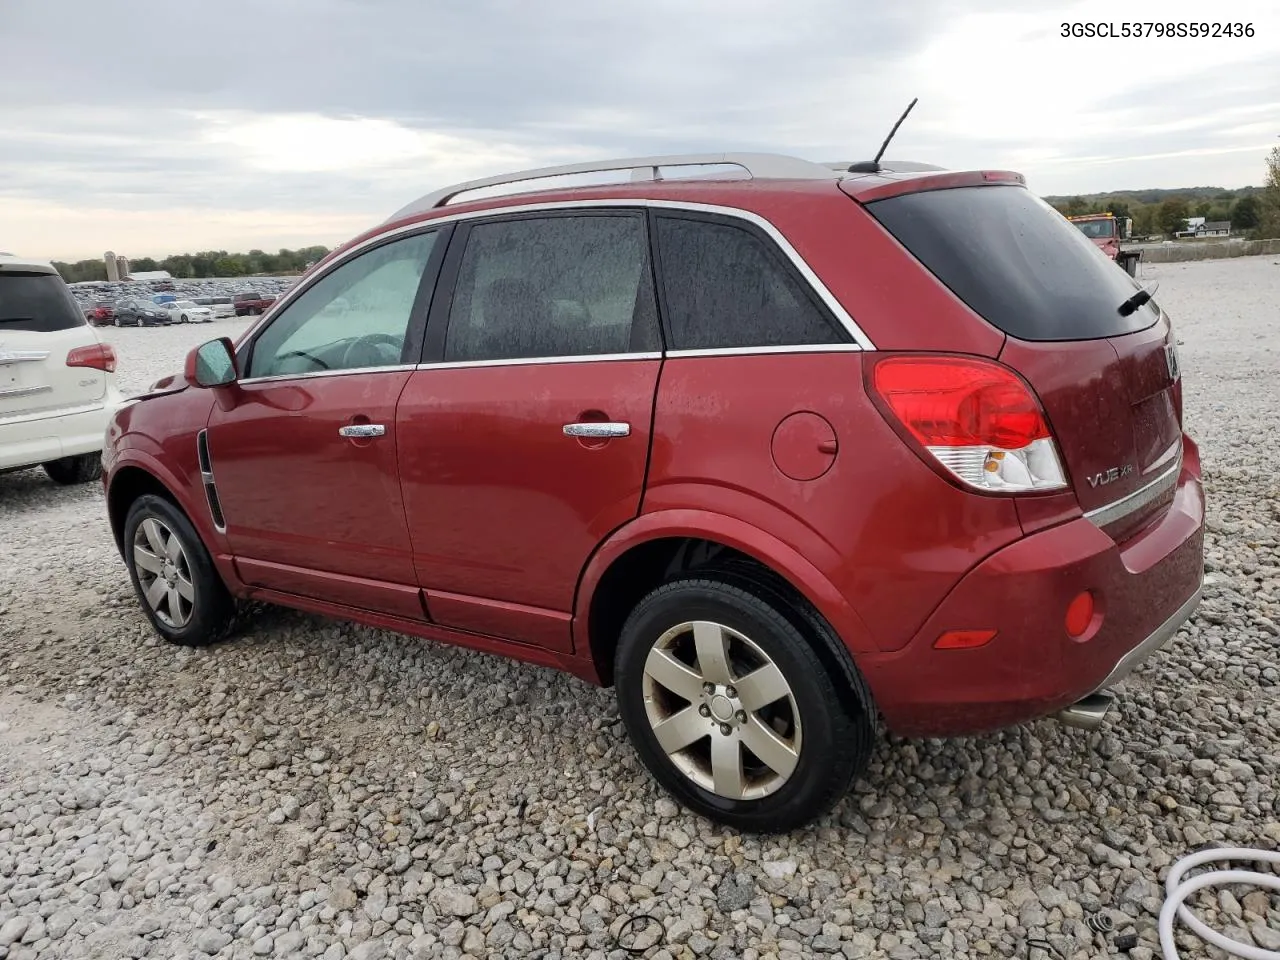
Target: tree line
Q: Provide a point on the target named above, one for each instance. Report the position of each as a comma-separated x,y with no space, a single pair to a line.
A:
1251,211
207,263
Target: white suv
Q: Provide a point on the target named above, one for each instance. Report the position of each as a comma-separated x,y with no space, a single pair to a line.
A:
57,380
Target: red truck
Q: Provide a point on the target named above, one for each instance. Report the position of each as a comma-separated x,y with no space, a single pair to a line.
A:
1107,231
251,302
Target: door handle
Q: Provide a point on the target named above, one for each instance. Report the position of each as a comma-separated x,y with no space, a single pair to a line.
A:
597,430
362,430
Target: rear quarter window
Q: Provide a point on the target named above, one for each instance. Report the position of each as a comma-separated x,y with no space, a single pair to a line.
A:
1015,261
37,302
725,287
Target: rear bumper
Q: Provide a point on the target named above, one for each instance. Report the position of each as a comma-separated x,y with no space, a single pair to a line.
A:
31,442
1144,590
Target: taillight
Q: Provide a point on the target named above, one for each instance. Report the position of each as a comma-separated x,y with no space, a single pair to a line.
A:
976,418
100,356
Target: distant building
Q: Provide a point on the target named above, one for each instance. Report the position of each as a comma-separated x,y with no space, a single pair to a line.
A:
113,270
1198,227
122,267
149,275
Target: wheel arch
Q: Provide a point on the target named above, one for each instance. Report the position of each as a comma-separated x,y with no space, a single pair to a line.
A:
655,547
137,473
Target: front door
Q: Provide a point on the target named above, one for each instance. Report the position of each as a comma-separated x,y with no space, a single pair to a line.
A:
524,437
303,447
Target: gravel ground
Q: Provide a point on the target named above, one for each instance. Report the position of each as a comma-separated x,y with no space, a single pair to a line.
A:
317,789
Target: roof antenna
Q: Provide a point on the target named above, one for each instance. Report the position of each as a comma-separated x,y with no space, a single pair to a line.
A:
873,166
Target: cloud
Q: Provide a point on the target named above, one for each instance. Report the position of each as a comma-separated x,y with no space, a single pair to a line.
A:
173,123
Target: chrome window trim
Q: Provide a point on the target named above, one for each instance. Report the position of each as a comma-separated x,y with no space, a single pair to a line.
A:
751,351
1119,509
349,371
621,203
572,358
540,361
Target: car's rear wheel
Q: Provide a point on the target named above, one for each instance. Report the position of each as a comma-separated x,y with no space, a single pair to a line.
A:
72,470
732,710
173,575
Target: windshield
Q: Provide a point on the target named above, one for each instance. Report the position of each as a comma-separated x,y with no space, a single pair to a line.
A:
185,304
1096,229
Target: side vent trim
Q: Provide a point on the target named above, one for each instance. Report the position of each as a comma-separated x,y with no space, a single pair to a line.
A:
210,488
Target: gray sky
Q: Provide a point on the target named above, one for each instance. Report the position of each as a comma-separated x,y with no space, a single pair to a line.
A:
151,127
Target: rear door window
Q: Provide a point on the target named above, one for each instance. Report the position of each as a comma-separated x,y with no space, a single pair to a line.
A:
726,286
36,302
554,286
1016,262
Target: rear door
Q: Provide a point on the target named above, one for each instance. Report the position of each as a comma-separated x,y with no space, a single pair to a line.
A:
524,437
40,323
1106,371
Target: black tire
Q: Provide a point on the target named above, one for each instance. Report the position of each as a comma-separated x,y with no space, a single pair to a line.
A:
118,322
184,318
837,723
213,609
72,470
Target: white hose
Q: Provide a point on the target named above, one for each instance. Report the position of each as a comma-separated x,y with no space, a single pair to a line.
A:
1177,890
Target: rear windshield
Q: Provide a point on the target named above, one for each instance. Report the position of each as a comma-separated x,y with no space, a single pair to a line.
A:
1015,261
38,302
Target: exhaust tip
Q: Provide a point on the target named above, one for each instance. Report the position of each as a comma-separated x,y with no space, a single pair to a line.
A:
1089,712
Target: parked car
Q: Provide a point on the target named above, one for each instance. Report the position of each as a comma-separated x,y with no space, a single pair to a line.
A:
139,312
57,380
251,303
774,458
100,312
186,311
221,306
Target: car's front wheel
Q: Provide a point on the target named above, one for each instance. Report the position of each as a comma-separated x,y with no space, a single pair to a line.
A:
732,710
173,575
72,470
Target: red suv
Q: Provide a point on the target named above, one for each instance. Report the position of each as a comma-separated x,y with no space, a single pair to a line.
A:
780,457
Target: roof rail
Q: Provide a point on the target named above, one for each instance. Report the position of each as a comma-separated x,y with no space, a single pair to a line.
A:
770,166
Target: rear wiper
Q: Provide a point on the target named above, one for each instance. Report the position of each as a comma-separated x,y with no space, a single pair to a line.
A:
16,319
1137,300
1134,302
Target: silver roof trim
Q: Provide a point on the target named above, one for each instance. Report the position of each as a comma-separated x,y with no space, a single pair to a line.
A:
765,166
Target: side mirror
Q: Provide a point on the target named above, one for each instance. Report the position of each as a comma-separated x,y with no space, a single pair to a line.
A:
211,364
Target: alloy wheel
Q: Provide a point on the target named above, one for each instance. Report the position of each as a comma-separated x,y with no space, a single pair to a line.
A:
164,573
722,710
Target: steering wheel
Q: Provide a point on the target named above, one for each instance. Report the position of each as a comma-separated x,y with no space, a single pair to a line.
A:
373,356
308,356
